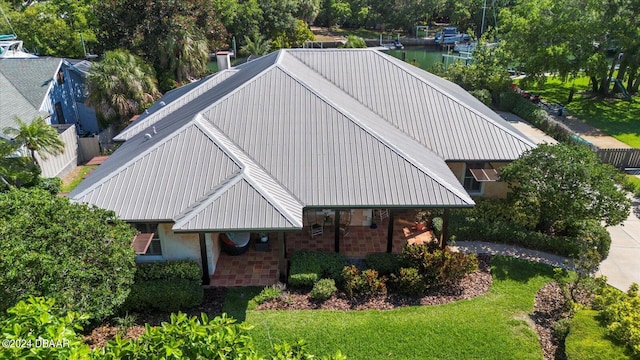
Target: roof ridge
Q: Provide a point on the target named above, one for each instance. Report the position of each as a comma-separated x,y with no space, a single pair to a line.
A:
252,170
173,105
464,104
401,152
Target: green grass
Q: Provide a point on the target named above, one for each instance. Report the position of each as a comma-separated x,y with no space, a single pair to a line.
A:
492,326
587,339
618,118
70,184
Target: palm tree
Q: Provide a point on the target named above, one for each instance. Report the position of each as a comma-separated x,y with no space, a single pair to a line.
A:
257,46
185,53
37,136
120,86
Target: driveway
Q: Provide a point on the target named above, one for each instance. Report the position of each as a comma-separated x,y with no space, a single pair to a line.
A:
622,267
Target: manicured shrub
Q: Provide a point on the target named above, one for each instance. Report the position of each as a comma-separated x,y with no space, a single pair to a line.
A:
307,267
366,283
408,281
594,234
455,266
167,295
384,263
268,293
165,286
181,269
323,289
436,224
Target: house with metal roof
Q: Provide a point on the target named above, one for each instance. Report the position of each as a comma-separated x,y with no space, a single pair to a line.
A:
254,148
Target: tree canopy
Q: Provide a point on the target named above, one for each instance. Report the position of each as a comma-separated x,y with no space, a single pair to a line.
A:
79,256
120,86
556,187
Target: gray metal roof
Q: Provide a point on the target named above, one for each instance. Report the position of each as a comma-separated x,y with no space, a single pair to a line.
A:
250,147
24,85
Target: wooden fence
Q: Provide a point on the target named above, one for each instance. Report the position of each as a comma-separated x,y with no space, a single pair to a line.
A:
620,158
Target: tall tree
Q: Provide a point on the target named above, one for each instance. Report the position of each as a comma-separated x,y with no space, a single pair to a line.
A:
141,26
38,137
256,46
184,52
562,185
120,86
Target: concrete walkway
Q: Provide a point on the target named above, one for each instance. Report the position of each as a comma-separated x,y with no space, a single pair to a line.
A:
481,247
622,267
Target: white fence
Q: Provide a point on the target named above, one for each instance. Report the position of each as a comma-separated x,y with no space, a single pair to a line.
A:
58,165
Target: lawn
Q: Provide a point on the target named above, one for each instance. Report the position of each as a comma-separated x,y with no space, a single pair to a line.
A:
587,339
75,177
618,118
492,326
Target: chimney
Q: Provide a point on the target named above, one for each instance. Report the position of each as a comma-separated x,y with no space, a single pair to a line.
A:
223,59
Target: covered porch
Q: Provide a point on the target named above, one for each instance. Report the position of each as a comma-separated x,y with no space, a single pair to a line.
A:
260,266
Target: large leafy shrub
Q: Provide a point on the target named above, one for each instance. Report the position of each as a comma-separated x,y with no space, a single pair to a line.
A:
78,255
165,286
620,312
307,267
36,329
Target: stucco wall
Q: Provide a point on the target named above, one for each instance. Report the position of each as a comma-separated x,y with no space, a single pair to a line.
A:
181,246
490,189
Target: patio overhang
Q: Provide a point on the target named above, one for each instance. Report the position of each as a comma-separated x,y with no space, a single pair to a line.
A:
141,243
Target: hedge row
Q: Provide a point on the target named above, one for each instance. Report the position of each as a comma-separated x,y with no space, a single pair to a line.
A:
307,267
165,286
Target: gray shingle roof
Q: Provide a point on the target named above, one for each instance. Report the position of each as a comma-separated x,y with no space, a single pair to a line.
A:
24,85
248,148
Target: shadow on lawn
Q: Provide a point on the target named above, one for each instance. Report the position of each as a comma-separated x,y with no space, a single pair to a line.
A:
509,268
236,301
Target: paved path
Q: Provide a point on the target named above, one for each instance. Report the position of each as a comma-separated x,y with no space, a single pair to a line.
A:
622,267
514,251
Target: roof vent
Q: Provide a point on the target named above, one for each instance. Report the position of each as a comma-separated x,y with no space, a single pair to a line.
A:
147,136
223,59
154,130
162,103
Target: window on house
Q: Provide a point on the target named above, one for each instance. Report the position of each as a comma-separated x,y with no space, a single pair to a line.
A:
151,242
60,77
469,182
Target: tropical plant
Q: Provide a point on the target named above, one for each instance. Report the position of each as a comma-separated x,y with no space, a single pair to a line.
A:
354,41
78,255
37,136
256,46
120,86
15,171
184,52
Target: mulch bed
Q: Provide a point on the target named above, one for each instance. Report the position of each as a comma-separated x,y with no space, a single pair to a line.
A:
549,307
470,286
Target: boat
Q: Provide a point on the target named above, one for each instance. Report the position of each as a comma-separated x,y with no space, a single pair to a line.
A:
465,47
11,48
395,45
450,35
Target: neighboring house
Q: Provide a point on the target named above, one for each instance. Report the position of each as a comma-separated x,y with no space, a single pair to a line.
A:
51,88
252,148
48,87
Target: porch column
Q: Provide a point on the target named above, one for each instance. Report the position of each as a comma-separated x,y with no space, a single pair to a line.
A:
282,258
444,234
336,231
203,259
390,231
